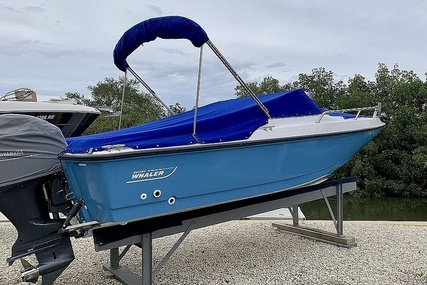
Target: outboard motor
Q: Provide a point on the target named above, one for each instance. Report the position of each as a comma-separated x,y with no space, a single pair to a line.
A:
32,194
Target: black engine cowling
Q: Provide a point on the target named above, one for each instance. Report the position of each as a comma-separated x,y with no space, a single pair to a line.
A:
33,194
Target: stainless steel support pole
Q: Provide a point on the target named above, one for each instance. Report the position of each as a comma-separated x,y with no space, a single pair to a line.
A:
238,78
150,90
196,108
147,259
123,100
340,210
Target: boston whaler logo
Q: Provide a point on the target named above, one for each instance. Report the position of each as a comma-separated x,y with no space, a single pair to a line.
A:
152,174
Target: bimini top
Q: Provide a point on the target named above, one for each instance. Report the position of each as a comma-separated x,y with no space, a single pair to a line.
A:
170,27
234,119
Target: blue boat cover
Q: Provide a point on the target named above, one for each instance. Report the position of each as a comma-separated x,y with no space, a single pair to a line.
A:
234,119
171,27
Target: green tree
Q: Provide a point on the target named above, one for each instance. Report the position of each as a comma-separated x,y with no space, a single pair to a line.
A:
394,164
267,85
138,107
177,108
77,97
358,93
321,86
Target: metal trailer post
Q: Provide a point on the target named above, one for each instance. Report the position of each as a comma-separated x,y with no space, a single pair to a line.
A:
340,210
295,215
147,259
114,258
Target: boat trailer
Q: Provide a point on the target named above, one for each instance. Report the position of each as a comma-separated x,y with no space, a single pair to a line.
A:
111,238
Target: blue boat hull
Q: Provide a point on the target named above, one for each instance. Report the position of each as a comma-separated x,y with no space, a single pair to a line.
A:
125,188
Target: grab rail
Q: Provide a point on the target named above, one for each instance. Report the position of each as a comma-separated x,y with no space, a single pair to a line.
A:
377,112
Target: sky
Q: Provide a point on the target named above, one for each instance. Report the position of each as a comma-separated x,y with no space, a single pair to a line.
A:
54,47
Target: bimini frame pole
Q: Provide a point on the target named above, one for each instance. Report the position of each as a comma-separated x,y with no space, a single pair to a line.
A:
123,100
149,89
237,77
199,75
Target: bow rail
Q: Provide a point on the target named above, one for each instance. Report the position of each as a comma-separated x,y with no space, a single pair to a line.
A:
377,112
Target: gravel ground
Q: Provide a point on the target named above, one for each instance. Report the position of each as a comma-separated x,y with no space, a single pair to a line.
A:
254,252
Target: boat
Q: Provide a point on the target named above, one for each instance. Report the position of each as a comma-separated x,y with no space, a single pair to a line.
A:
161,168
73,119
227,152
219,153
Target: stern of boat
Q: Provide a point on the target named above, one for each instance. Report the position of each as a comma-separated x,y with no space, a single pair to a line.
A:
33,196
